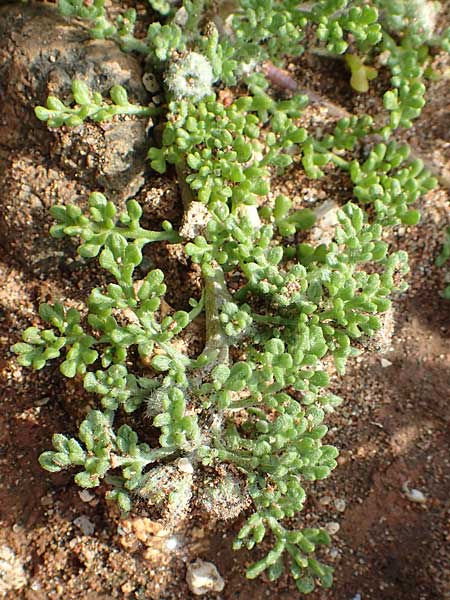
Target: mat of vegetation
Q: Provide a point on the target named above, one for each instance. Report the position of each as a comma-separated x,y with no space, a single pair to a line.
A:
384,509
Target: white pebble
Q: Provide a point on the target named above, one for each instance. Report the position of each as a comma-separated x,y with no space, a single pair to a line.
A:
385,362
332,527
172,543
340,504
334,553
185,465
414,495
203,577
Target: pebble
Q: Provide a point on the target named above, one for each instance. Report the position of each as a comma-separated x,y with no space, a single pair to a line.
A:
340,504
198,533
385,363
47,500
181,17
172,543
86,495
357,597
185,465
203,577
86,526
334,553
326,220
150,82
35,586
332,527
325,500
414,495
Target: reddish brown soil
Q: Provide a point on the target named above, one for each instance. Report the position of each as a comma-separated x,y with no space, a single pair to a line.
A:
392,430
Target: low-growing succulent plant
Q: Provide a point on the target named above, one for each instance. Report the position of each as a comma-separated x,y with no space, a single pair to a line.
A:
241,424
89,105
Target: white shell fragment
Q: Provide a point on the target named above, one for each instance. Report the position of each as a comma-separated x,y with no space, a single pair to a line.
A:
203,577
414,495
385,363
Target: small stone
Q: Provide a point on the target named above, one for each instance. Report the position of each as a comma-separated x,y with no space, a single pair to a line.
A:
181,17
86,495
332,527
326,221
334,553
357,597
172,543
203,577
42,401
150,83
414,495
86,526
185,465
340,504
251,212
325,500
195,219
385,363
